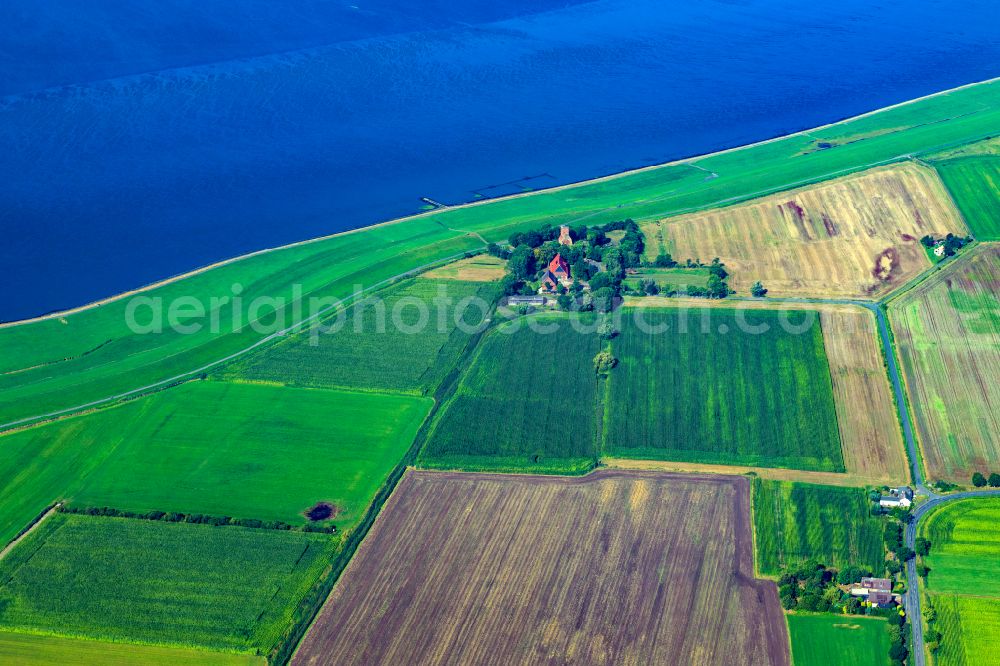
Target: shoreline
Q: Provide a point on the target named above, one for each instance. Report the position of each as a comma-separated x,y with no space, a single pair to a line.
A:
59,314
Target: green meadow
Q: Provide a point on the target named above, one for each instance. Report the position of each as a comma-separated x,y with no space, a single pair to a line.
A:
965,547
974,183
405,339
241,450
528,402
970,629
695,385
670,278
836,640
62,363
46,650
795,522
228,588
964,580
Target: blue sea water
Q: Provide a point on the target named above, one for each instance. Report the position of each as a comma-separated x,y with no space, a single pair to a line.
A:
145,138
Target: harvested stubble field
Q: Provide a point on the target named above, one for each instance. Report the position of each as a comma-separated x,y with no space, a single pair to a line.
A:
948,337
229,588
869,425
795,522
403,339
725,386
527,403
851,237
601,569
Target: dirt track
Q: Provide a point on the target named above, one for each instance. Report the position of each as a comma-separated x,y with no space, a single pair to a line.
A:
615,567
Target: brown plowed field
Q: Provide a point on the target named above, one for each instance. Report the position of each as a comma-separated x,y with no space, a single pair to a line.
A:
612,568
851,237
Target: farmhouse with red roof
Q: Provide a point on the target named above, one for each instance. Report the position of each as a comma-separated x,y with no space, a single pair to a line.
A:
557,273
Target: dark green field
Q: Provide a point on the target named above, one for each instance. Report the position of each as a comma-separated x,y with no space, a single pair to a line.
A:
794,522
229,588
368,351
527,403
722,396
974,183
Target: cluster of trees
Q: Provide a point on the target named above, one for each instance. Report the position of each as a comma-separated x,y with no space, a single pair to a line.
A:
895,544
197,518
979,481
531,252
813,587
898,651
952,243
604,362
932,637
717,286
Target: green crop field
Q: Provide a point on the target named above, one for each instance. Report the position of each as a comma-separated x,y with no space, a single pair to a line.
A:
706,390
229,588
527,403
404,339
964,580
834,640
62,363
242,450
794,522
965,547
46,650
974,183
970,630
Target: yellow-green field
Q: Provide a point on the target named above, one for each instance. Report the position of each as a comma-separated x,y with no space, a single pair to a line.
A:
850,237
963,585
947,333
44,650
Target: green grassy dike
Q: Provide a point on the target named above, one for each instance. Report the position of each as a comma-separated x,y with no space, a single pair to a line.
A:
62,363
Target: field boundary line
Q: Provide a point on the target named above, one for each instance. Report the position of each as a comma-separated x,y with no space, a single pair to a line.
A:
840,479
32,526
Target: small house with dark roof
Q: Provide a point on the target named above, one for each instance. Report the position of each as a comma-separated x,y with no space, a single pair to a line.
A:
556,273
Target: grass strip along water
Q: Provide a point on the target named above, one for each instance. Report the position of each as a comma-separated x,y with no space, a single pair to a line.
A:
92,355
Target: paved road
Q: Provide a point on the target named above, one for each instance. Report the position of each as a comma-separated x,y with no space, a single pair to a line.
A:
911,600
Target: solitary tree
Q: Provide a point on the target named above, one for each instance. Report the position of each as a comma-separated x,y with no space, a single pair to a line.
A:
604,362
758,290
606,329
922,546
994,480
664,260
978,480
